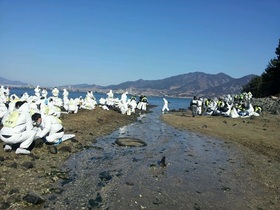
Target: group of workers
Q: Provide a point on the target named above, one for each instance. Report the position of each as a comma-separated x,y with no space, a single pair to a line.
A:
20,128
27,118
230,106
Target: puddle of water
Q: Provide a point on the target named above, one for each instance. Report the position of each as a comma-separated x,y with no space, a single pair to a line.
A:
200,172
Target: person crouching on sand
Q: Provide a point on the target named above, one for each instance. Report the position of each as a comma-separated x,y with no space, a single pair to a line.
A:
49,127
17,129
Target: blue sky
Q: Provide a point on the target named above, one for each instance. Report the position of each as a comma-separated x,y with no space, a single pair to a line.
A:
52,43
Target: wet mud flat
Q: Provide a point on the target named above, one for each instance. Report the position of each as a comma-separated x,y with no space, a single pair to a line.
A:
200,172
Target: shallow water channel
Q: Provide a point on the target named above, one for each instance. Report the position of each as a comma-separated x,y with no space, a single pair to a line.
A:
200,172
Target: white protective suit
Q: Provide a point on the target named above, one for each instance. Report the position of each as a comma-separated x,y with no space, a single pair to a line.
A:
73,106
44,93
37,91
51,128
124,97
199,106
55,92
89,103
165,105
17,128
110,98
132,104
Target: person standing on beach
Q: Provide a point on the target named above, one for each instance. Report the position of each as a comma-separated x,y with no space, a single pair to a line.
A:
124,97
37,91
44,93
199,106
165,106
17,129
110,98
194,106
55,97
142,104
55,92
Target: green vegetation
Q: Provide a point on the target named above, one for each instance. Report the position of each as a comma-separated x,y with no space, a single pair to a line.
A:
269,82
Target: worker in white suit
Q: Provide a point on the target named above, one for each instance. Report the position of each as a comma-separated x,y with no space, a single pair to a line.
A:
17,128
50,128
165,106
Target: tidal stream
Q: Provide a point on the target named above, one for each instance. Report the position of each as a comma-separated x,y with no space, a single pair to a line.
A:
200,172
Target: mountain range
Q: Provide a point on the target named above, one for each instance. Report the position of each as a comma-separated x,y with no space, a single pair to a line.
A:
6,82
184,85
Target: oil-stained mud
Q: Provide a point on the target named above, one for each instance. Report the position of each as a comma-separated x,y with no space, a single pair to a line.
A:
176,170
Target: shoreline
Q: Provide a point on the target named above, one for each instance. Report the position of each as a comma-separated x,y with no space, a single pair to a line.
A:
260,134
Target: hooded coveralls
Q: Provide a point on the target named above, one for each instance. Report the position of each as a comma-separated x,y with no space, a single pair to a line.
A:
142,105
17,128
51,128
165,105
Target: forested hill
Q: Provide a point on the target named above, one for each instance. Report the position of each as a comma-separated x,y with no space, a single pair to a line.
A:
187,85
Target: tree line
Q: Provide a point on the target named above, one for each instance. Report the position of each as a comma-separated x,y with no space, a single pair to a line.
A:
269,82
